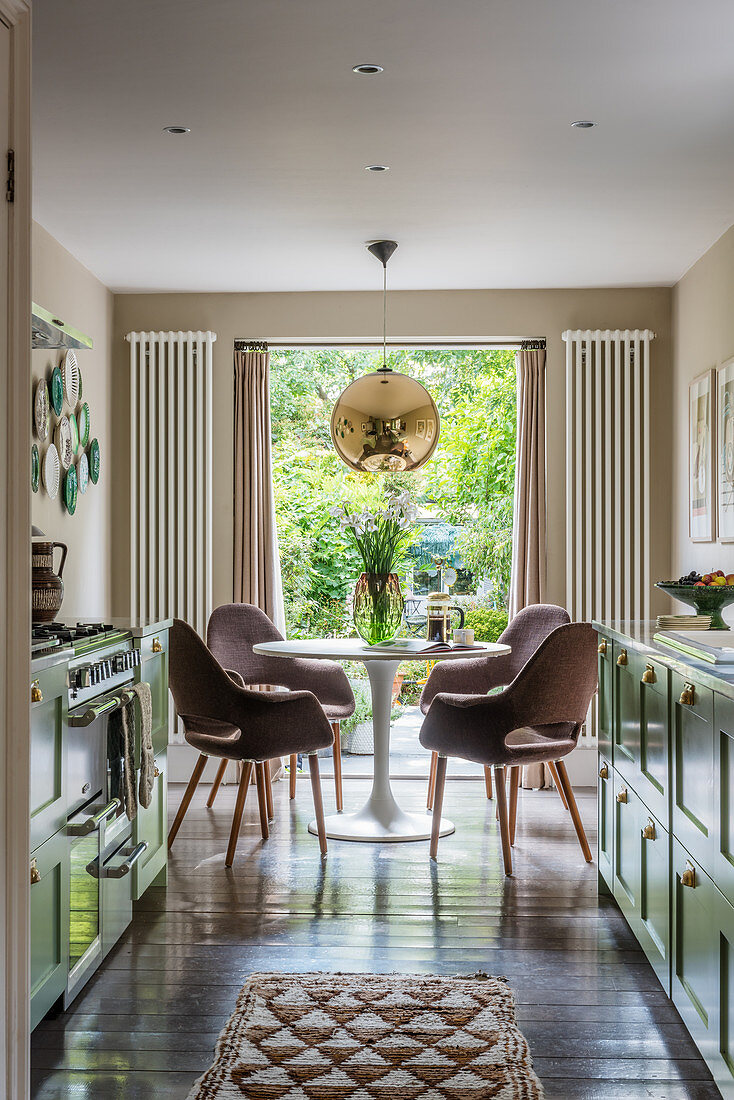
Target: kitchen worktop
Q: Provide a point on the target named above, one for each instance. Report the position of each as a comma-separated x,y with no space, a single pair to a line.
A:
640,634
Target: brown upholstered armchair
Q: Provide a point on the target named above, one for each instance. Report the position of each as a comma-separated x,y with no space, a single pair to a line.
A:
477,675
536,719
224,719
233,630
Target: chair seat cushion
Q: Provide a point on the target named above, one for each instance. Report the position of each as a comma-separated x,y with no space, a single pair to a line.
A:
212,737
535,746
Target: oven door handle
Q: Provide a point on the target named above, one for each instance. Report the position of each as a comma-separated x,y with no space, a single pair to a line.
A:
94,822
125,868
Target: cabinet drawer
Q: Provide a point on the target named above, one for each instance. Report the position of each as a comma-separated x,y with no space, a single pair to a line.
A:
722,1065
151,825
641,728
695,951
47,802
724,796
153,669
605,810
605,697
628,666
692,718
626,848
49,924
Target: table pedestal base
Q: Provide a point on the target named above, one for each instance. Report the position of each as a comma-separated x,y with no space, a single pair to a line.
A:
381,820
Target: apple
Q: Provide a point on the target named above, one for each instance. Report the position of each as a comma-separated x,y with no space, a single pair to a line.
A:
730,578
719,573
699,584
707,578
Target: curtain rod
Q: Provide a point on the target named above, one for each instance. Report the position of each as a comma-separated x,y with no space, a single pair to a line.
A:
250,345
359,345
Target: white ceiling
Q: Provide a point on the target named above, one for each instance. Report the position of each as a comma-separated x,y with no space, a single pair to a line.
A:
488,184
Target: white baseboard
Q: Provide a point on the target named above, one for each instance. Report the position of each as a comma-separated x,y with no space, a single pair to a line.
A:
581,765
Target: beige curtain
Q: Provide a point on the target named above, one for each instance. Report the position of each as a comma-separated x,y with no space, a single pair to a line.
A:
527,584
257,577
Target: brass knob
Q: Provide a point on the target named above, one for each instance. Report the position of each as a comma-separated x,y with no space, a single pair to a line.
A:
157,647
648,833
36,693
622,795
604,772
648,676
602,647
688,878
688,695
35,873
622,659
156,773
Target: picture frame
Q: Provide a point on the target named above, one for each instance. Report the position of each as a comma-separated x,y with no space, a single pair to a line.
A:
420,429
725,450
430,428
701,457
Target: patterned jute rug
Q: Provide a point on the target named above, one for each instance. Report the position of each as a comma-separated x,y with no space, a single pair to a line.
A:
371,1036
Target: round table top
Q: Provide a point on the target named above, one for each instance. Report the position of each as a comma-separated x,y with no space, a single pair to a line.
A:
354,649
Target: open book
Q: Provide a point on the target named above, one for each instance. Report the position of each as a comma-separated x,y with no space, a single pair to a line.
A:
421,647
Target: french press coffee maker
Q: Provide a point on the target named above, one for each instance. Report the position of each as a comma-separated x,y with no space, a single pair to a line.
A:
439,610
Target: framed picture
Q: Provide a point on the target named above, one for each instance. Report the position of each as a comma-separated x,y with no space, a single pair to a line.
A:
430,428
701,454
725,450
420,429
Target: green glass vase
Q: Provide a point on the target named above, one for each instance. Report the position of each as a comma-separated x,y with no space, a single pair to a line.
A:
378,607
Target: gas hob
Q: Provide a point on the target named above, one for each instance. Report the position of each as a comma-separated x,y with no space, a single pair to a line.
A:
46,637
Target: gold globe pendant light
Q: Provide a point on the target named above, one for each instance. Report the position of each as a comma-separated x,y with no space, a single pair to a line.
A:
385,422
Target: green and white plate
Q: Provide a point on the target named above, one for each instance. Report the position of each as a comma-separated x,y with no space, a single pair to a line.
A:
57,391
81,384
62,439
74,433
35,467
82,472
94,461
71,378
41,410
83,419
70,490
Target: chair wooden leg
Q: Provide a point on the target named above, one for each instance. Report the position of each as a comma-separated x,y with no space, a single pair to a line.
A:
292,774
318,802
432,781
269,790
188,795
514,785
499,784
217,783
262,800
573,809
488,780
439,781
556,779
239,806
337,751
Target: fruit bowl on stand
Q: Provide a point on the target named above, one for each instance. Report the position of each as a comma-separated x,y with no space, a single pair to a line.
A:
708,599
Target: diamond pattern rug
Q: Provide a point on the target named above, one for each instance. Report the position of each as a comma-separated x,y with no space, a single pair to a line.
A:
371,1037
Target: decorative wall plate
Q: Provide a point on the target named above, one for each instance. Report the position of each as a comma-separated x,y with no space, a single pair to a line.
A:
62,439
35,467
94,461
51,471
70,371
81,384
70,490
82,472
57,391
83,421
40,410
74,433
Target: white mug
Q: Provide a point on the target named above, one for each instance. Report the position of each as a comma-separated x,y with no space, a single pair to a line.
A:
464,636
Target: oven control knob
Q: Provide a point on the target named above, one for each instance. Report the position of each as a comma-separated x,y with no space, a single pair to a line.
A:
84,678
93,675
106,669
119,662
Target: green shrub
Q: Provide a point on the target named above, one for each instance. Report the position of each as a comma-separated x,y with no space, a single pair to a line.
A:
486,622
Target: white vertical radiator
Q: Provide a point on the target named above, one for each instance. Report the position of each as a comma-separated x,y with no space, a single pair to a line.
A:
608,486
171,475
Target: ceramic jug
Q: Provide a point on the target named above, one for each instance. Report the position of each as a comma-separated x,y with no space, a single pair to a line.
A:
47,587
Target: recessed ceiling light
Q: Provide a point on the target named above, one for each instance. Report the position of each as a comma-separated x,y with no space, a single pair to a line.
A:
583,124
176,129
367,70
377,167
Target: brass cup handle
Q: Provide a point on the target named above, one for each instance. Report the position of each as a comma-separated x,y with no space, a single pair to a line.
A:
648,676
688,695
36,693
688,878
156,773
35,873
622,659
157,647
622,795
602,647
648,833
604,772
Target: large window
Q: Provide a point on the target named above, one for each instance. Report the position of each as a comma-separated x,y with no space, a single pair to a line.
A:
464,536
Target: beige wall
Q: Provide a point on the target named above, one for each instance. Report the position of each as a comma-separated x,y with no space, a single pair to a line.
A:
62,285
413,315
703,327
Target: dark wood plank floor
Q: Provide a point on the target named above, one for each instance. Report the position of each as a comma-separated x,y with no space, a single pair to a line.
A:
598,1022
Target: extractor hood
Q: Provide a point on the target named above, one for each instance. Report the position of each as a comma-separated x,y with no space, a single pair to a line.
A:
48,331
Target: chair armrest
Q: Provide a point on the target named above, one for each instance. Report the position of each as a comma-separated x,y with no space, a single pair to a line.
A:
235,677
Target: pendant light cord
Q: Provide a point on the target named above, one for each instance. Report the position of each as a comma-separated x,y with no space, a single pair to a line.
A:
384,316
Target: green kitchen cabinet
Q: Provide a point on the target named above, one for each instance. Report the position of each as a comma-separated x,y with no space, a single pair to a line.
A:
640,725
605,666
626,711
49,873
723,869
651,923
153,669
626,851
695,949
151,825
605,811
47,802
722,1064
692,738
